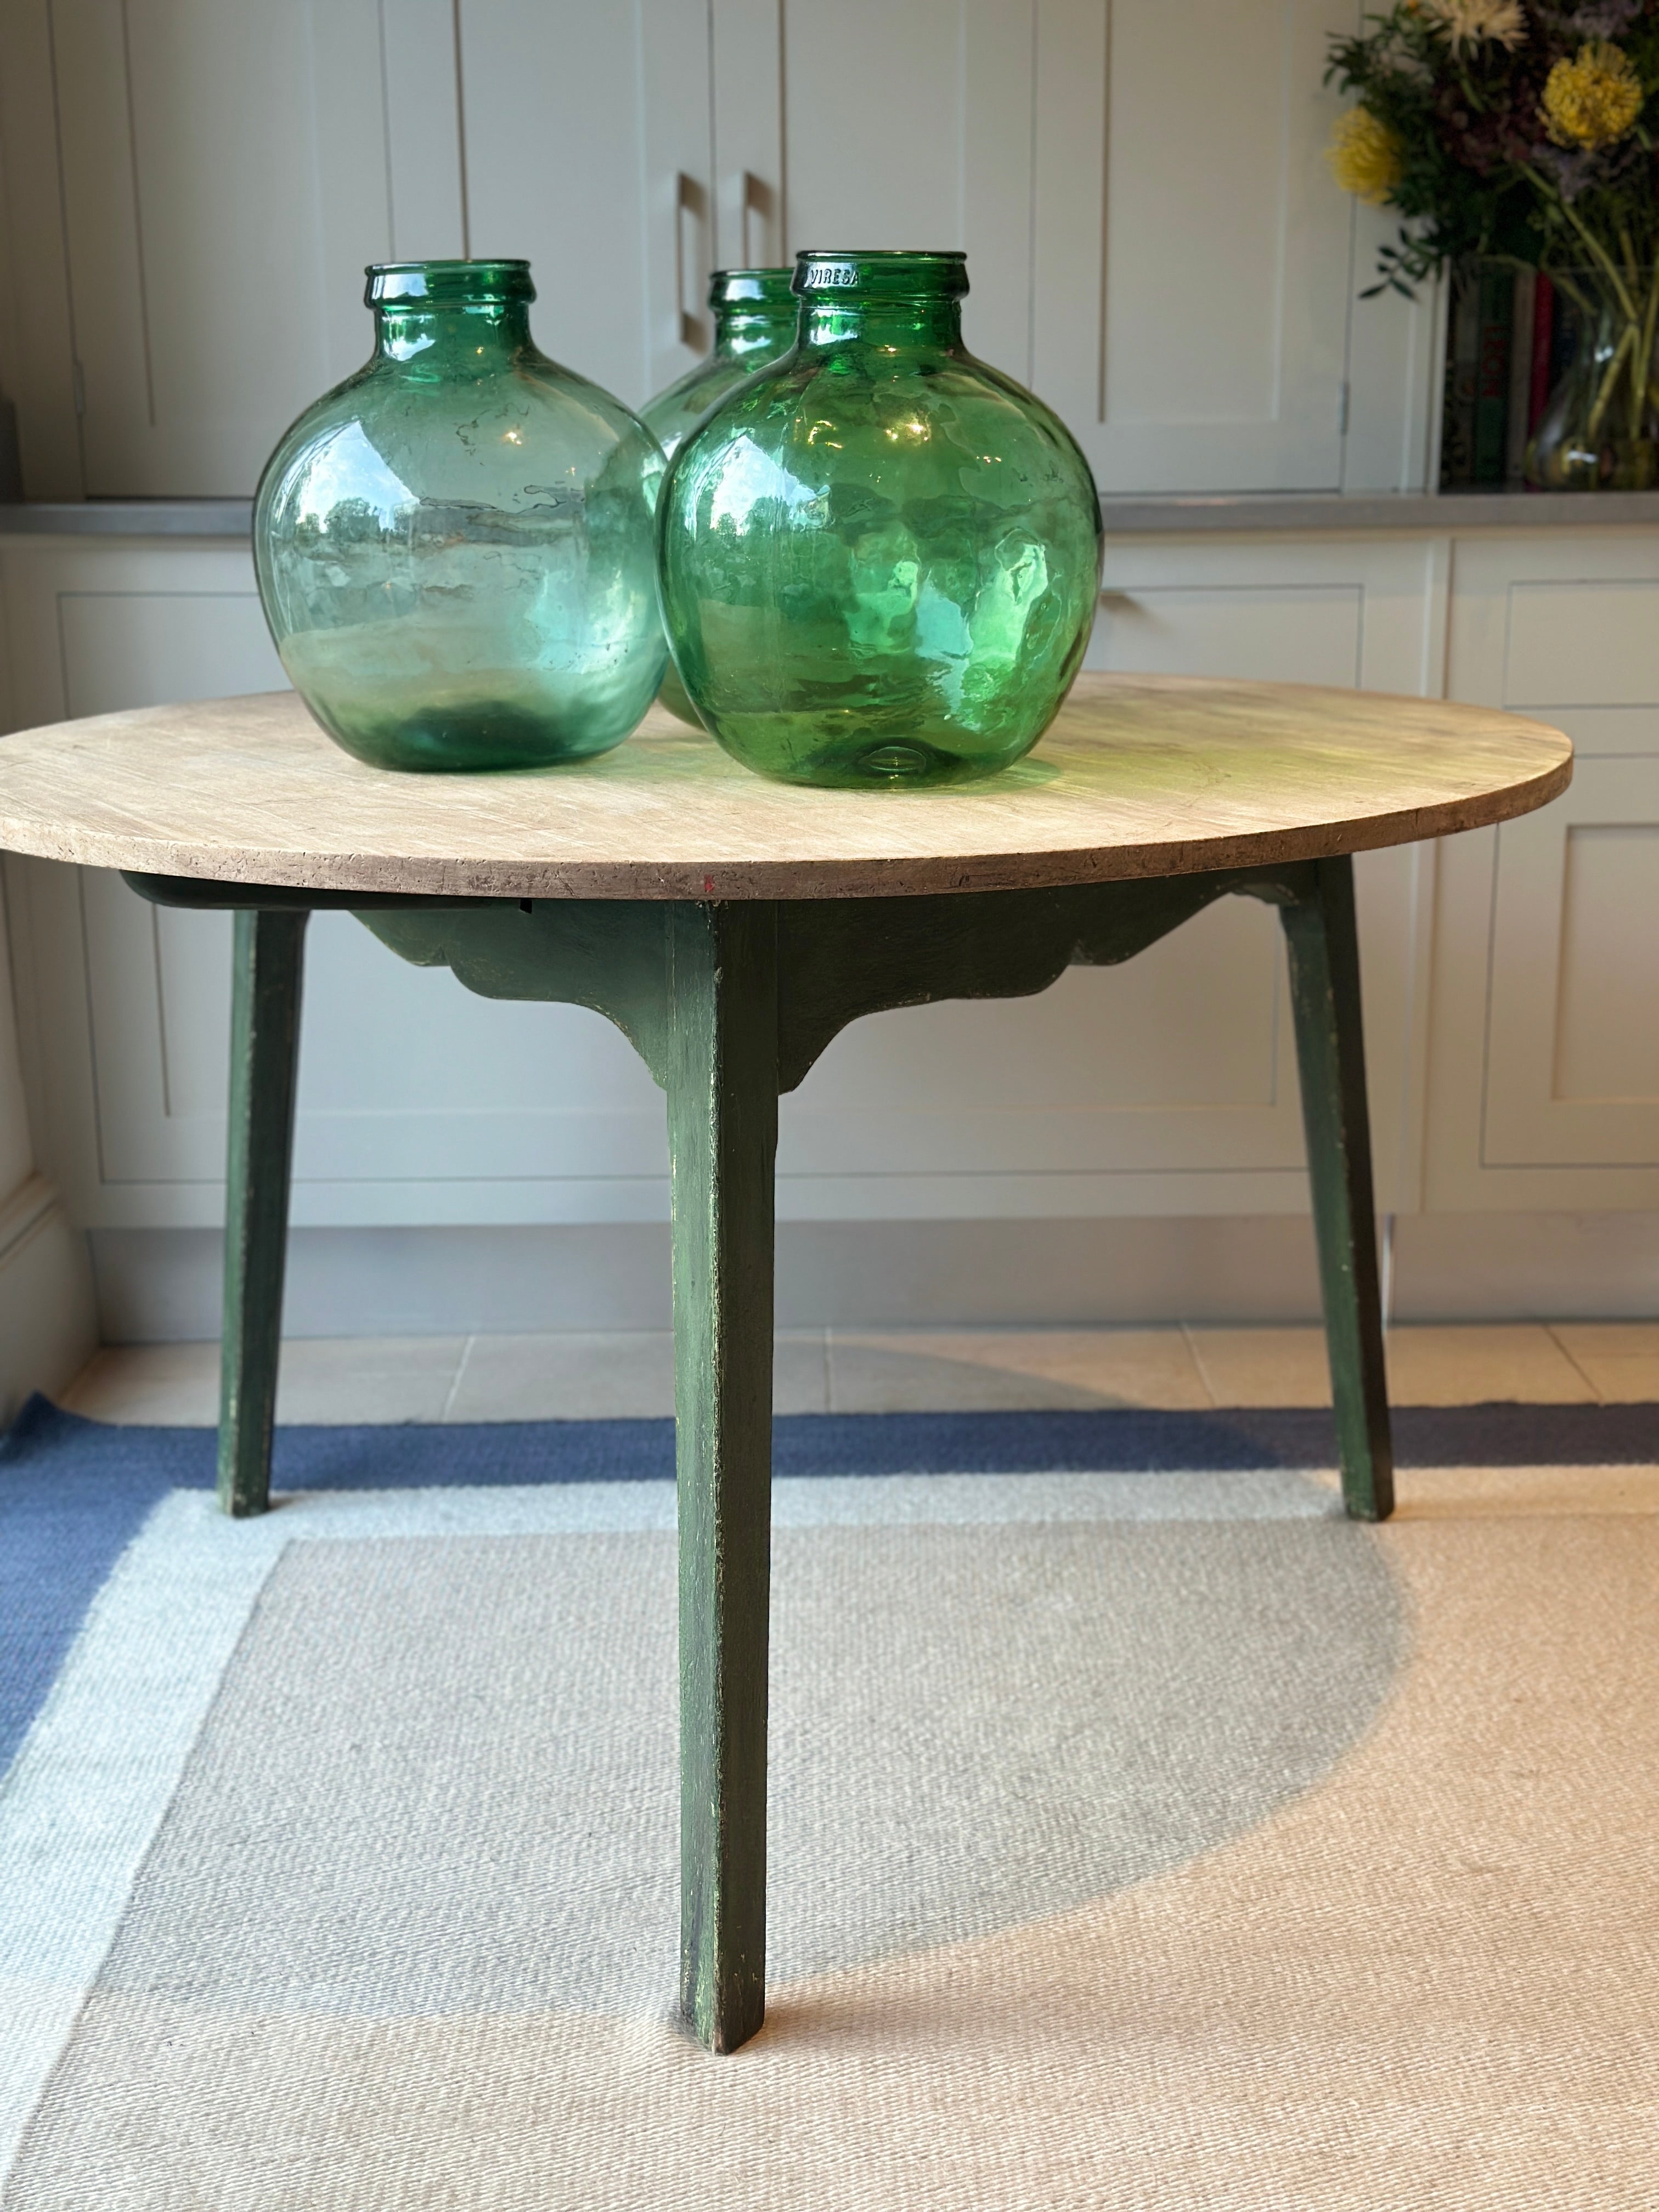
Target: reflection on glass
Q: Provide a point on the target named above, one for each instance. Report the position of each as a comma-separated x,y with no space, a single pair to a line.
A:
755,312
880,557
455,547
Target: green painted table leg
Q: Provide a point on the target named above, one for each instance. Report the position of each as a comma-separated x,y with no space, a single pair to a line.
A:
1324,955
264,1056
722,1084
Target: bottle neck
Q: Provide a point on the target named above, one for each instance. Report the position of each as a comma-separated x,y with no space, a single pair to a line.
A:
745,329
479,338
828,320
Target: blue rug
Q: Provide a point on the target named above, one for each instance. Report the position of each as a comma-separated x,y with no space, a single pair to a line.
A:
74,1493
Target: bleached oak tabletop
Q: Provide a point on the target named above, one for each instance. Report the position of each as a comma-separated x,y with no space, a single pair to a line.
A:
1140,776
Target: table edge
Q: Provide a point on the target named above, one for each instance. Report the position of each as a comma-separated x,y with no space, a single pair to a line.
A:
743,879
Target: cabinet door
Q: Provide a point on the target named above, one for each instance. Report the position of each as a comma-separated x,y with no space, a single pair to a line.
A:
419,1101
588,151
1168,1084
901,126
1572,1067
1154,243
225,177
1191,254
1545,1060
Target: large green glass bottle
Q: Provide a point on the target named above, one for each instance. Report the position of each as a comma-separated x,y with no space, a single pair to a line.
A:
880,557
756,312
456,547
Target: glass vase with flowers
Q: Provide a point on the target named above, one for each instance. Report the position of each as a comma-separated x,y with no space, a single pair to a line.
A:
1513,131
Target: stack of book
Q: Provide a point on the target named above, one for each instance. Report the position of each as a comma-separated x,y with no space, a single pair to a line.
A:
1506,341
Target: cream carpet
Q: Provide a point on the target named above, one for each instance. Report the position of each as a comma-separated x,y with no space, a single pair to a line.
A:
1138,1841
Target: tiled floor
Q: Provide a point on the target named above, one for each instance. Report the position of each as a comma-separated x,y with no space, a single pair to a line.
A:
516,1378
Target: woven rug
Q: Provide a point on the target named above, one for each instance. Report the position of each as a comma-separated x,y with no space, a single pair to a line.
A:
1143,1833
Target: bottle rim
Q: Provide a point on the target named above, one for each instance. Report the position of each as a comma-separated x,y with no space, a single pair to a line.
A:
446,283
902,273
757,288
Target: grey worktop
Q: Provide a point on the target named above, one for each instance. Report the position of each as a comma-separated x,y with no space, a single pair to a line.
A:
1170,514
1174,515
127,518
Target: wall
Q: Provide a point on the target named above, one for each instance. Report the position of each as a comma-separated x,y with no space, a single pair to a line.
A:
48,1324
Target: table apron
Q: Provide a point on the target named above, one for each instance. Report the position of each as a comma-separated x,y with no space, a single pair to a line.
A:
835,960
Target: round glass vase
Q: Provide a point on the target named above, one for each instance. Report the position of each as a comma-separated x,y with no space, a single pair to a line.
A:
880,557
456,547
1600,427
755,312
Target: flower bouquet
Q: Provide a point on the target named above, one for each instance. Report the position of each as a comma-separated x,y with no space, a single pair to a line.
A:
1513,132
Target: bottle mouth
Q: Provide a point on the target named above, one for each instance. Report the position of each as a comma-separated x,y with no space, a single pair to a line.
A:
446,283
882,276
752,287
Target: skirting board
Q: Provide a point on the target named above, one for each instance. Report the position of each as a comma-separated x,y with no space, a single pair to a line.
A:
48,1320
161,1285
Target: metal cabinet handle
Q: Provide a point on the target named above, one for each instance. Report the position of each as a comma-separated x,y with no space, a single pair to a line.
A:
754,204
690,209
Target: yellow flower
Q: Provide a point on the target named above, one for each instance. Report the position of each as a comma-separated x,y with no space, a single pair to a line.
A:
1594,98
1366,157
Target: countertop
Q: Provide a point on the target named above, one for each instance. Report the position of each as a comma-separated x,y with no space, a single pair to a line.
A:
1172,514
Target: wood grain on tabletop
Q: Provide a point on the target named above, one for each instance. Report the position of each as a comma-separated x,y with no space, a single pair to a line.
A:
1139,775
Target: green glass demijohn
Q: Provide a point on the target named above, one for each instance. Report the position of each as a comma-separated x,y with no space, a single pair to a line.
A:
455,548
880,557
756,312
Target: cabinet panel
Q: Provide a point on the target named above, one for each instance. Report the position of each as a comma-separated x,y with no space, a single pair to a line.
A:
1295,633
1594,643
1609,961
135,648
1544,1067
1572,1046
1192,258
588,151
934,148
225,180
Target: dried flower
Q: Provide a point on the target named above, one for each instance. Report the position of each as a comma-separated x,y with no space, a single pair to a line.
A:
1593,99
1471,23
1604,19
1574,169
1366,157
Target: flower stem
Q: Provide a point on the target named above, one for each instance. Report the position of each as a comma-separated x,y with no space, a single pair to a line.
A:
1614,370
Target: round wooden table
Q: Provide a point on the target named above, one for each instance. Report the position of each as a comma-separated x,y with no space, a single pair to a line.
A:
731,927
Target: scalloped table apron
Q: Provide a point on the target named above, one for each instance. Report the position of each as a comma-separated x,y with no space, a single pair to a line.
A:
730,927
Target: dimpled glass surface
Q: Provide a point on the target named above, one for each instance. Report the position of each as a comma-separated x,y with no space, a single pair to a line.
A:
455,547
880,557
755,312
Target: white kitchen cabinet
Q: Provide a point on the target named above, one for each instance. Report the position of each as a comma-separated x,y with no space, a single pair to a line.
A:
419,1101
1545,1049
1194,265
1510,977
1153,239
1165,1086
588,152
225,178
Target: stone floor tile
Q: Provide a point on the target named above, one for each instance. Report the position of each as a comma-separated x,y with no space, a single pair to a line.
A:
918,1371
1465,1364
1262,1366
1620,1359
330,1381
615,1375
